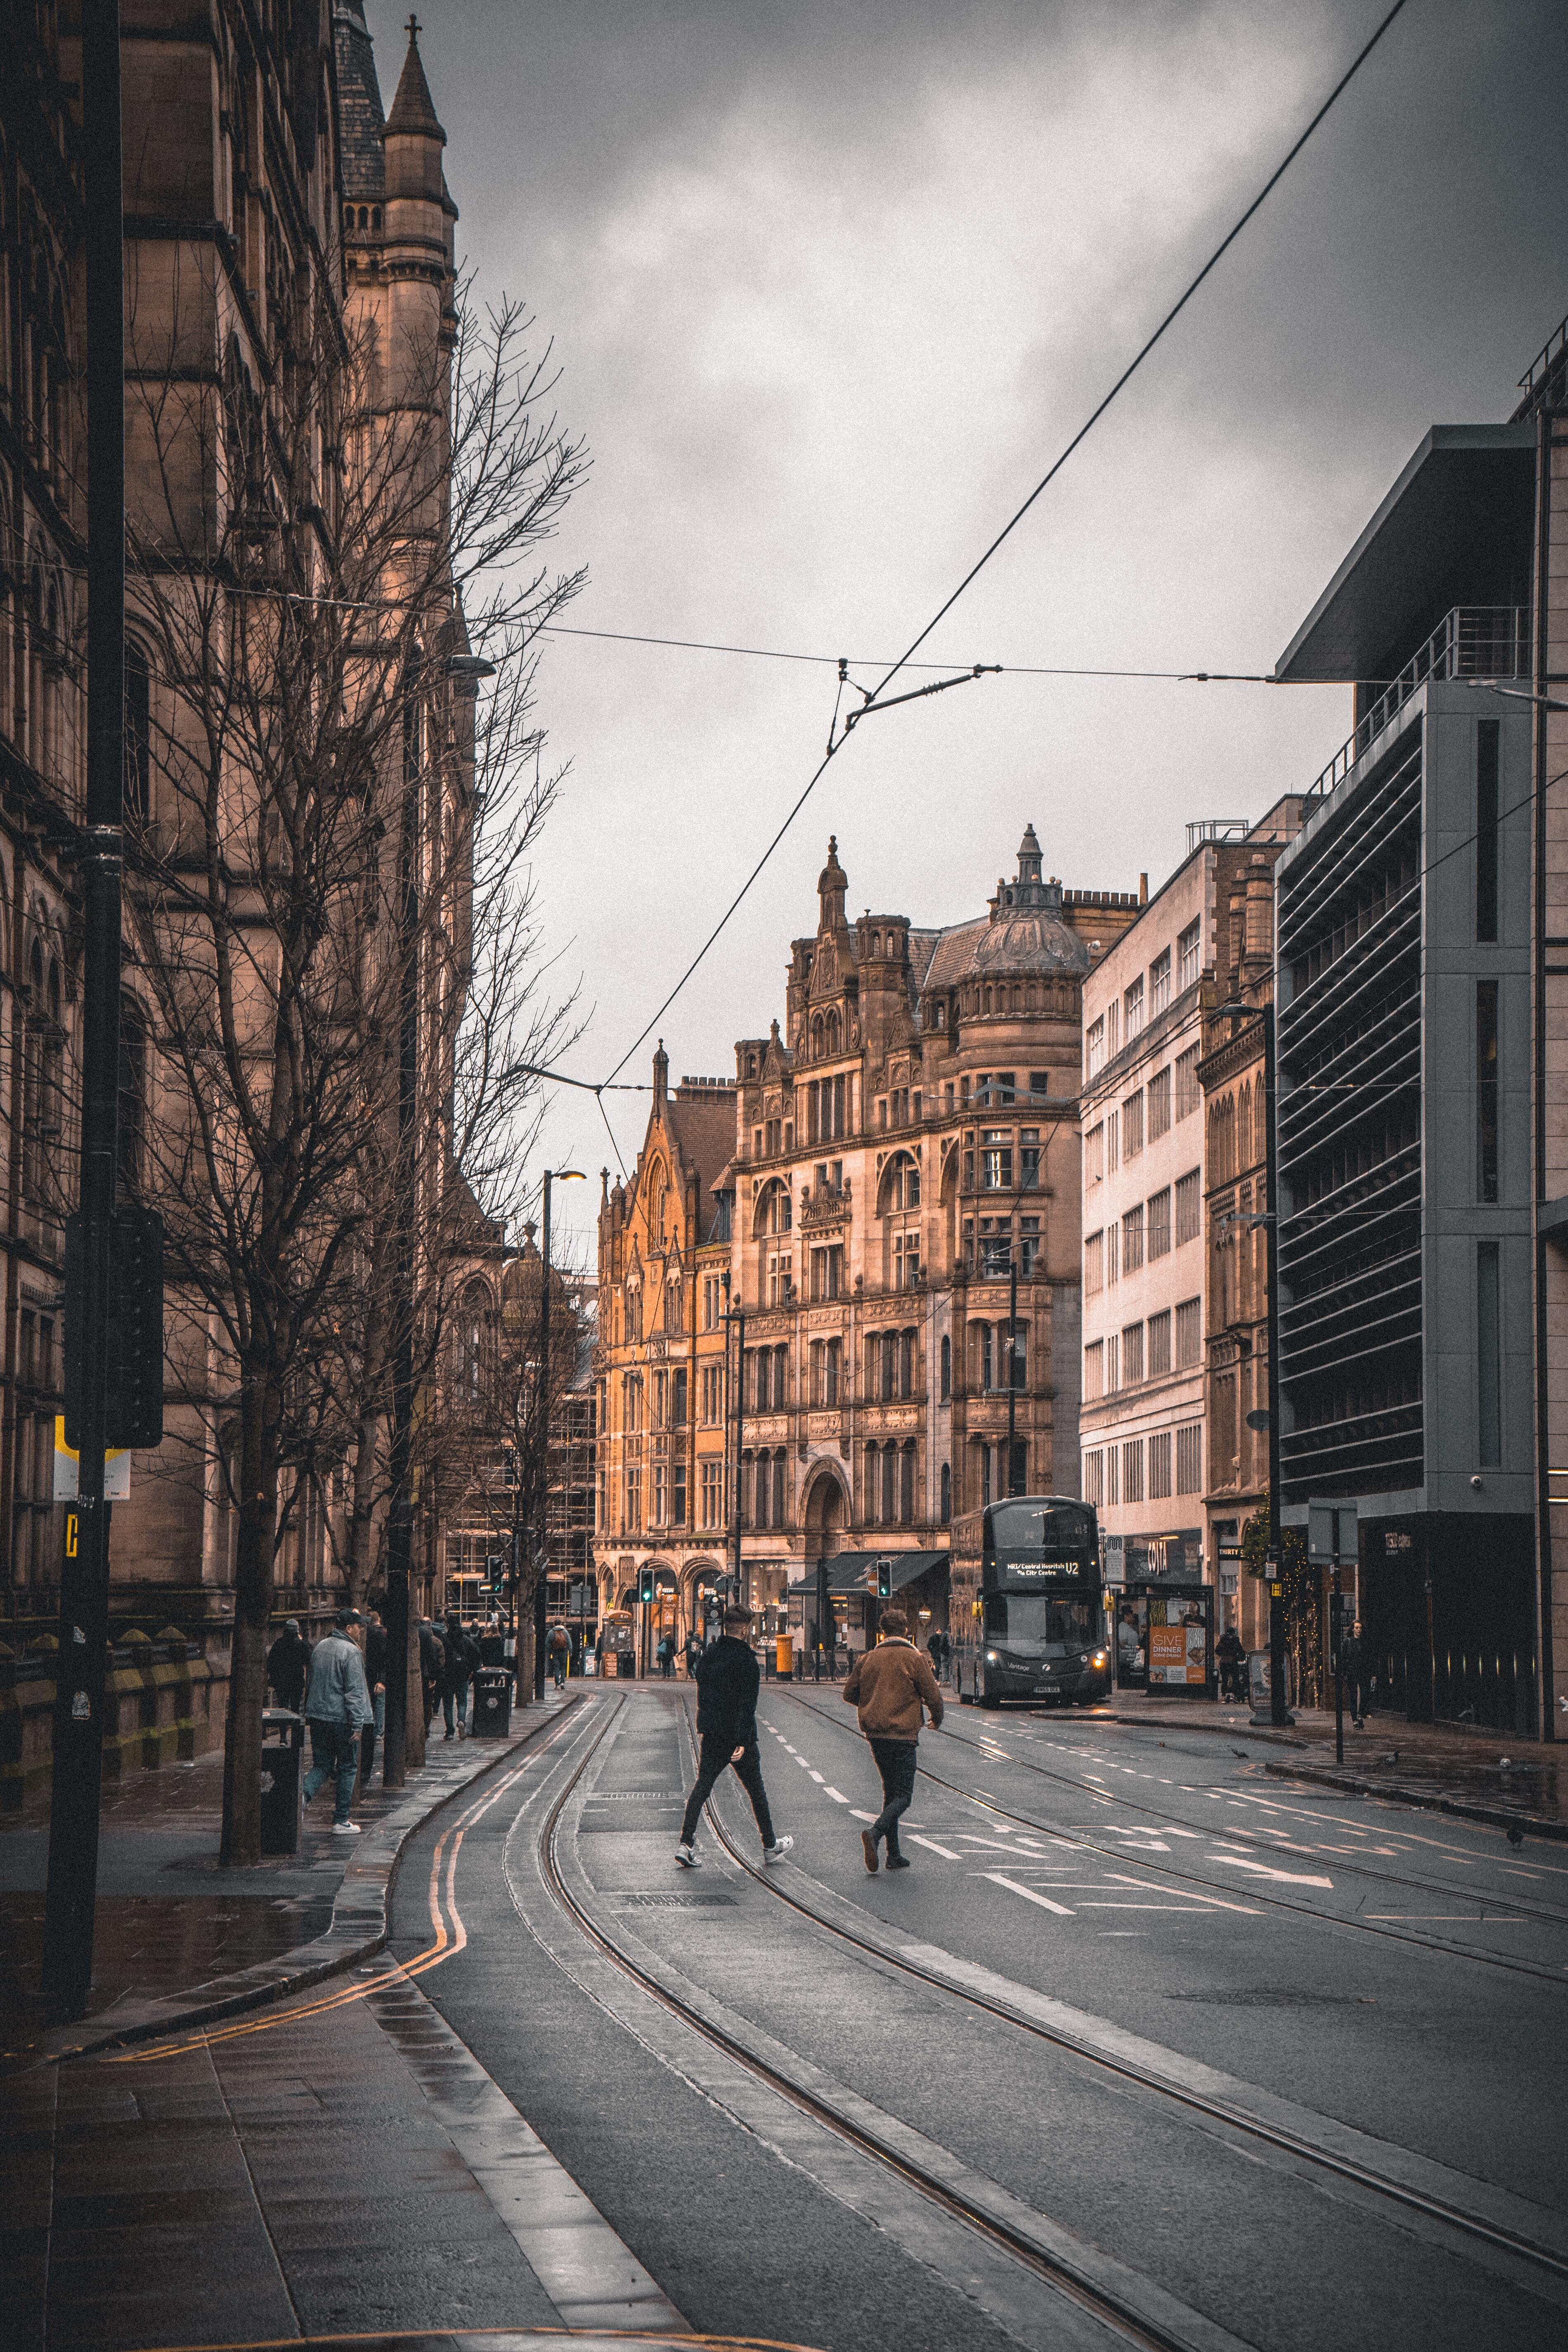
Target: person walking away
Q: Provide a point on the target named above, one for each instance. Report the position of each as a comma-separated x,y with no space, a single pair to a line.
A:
432,1668
462,1659
337,1708
559,1649
667,1656
892,1686
1231,1659
376,1676
1352,1667
289,1666
693,1651
728,1681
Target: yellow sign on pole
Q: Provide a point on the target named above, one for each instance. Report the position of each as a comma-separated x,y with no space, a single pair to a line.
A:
116,1469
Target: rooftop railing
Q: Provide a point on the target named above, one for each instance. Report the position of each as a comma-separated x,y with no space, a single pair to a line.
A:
1472,640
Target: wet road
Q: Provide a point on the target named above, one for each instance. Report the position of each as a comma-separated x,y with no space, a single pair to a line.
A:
1146,2046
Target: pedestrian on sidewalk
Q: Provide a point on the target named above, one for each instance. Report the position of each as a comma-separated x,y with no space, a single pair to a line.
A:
462,1657
1353,1669
559,1648
432,1669
1231,1659
728,1681
666,1656
337,1708
289,1665
890,1685
376,1676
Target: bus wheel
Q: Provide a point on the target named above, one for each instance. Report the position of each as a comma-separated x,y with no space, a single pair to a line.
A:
985,1700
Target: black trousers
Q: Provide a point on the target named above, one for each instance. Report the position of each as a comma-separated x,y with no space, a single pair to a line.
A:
896,1763
714,1756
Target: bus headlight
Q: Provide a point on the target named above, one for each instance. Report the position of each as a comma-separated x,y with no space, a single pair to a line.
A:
991,1658
1099,1659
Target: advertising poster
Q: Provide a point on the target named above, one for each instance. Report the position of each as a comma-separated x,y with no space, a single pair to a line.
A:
1168,1654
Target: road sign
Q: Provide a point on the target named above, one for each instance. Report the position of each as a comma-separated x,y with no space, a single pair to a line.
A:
116,1469
1331,1535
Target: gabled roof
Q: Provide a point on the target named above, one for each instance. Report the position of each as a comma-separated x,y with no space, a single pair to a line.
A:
704,1133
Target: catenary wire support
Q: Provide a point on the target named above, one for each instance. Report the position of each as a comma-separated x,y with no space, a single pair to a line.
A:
870,710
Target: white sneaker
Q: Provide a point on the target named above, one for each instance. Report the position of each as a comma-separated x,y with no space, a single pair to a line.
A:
345,1829
777,1851
688,1857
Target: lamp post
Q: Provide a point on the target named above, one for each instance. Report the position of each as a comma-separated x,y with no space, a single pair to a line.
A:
541,1580
71,1898
1279,1713
1012,1358
737,1315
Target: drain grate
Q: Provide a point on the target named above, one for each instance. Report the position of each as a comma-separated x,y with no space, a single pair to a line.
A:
706,1898
1273,1997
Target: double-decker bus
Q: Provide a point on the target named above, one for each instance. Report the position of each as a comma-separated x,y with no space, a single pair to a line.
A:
1028,1609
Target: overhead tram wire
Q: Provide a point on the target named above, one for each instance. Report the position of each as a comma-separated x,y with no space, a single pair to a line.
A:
1128,372
906,659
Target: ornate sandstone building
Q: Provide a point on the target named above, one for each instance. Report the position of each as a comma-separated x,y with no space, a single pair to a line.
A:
859,1194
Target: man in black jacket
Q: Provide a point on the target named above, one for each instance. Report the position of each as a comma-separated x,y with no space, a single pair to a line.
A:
728,1680
288,1664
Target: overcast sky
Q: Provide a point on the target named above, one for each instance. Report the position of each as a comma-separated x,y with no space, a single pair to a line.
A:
828,288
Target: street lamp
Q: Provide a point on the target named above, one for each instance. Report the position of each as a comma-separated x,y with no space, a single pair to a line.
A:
541,1582
737,1315
1279,1713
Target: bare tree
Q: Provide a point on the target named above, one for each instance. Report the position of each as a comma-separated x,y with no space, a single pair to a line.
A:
331,859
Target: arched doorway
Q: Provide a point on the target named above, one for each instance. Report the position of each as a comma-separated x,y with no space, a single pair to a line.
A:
826,1514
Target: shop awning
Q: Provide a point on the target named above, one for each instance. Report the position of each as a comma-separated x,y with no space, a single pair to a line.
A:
856,1572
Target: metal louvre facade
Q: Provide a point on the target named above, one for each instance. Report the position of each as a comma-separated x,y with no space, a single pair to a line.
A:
1351,948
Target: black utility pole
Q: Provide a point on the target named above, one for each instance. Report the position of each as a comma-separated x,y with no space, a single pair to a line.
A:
1011,1359
738,1317
400,1515
542,1577
84,1581
1279,1714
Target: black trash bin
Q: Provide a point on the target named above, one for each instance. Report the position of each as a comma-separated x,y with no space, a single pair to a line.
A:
492,1703
282,1767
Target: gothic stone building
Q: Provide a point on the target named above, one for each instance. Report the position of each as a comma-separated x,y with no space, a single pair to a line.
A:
910,1128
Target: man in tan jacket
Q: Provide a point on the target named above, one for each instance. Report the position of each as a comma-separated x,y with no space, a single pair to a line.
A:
890,1685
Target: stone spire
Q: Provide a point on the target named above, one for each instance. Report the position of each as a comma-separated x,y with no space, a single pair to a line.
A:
414,137
831,884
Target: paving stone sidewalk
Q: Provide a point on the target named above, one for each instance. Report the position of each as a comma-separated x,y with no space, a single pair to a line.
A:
176,1933
1481,1774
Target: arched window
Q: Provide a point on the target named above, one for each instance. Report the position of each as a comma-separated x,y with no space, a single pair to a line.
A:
130,1117
900,1183
873,1490
889,1484
778,1518
775,1209
946,1368
474,1337
947,1494
138,732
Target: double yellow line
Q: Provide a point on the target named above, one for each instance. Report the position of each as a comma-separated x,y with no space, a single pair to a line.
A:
451,1939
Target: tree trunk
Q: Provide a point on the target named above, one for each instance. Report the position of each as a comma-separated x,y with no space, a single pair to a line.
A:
241,1846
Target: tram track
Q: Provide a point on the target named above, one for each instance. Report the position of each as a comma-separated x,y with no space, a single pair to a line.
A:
1079,1839
1089,2295
1469,2225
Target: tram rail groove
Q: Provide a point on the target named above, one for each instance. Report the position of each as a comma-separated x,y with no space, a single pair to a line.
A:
1214,2110
1451,1948
1092,2296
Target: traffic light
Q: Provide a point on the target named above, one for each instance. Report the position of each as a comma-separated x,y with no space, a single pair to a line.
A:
884,1578
495,1570
135,1402
645,1585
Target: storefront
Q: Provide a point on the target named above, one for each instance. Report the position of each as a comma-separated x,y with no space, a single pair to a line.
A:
920,1588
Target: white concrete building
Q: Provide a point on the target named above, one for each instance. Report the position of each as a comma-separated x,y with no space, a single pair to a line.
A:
1144,1254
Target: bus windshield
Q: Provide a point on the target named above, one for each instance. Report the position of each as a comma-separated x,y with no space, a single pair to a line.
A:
1031,1529
1040,1621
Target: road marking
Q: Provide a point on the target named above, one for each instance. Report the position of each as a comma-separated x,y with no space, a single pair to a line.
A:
1262,1870
837,1796
820,1777
1456,1919
946,1852
1000,1878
